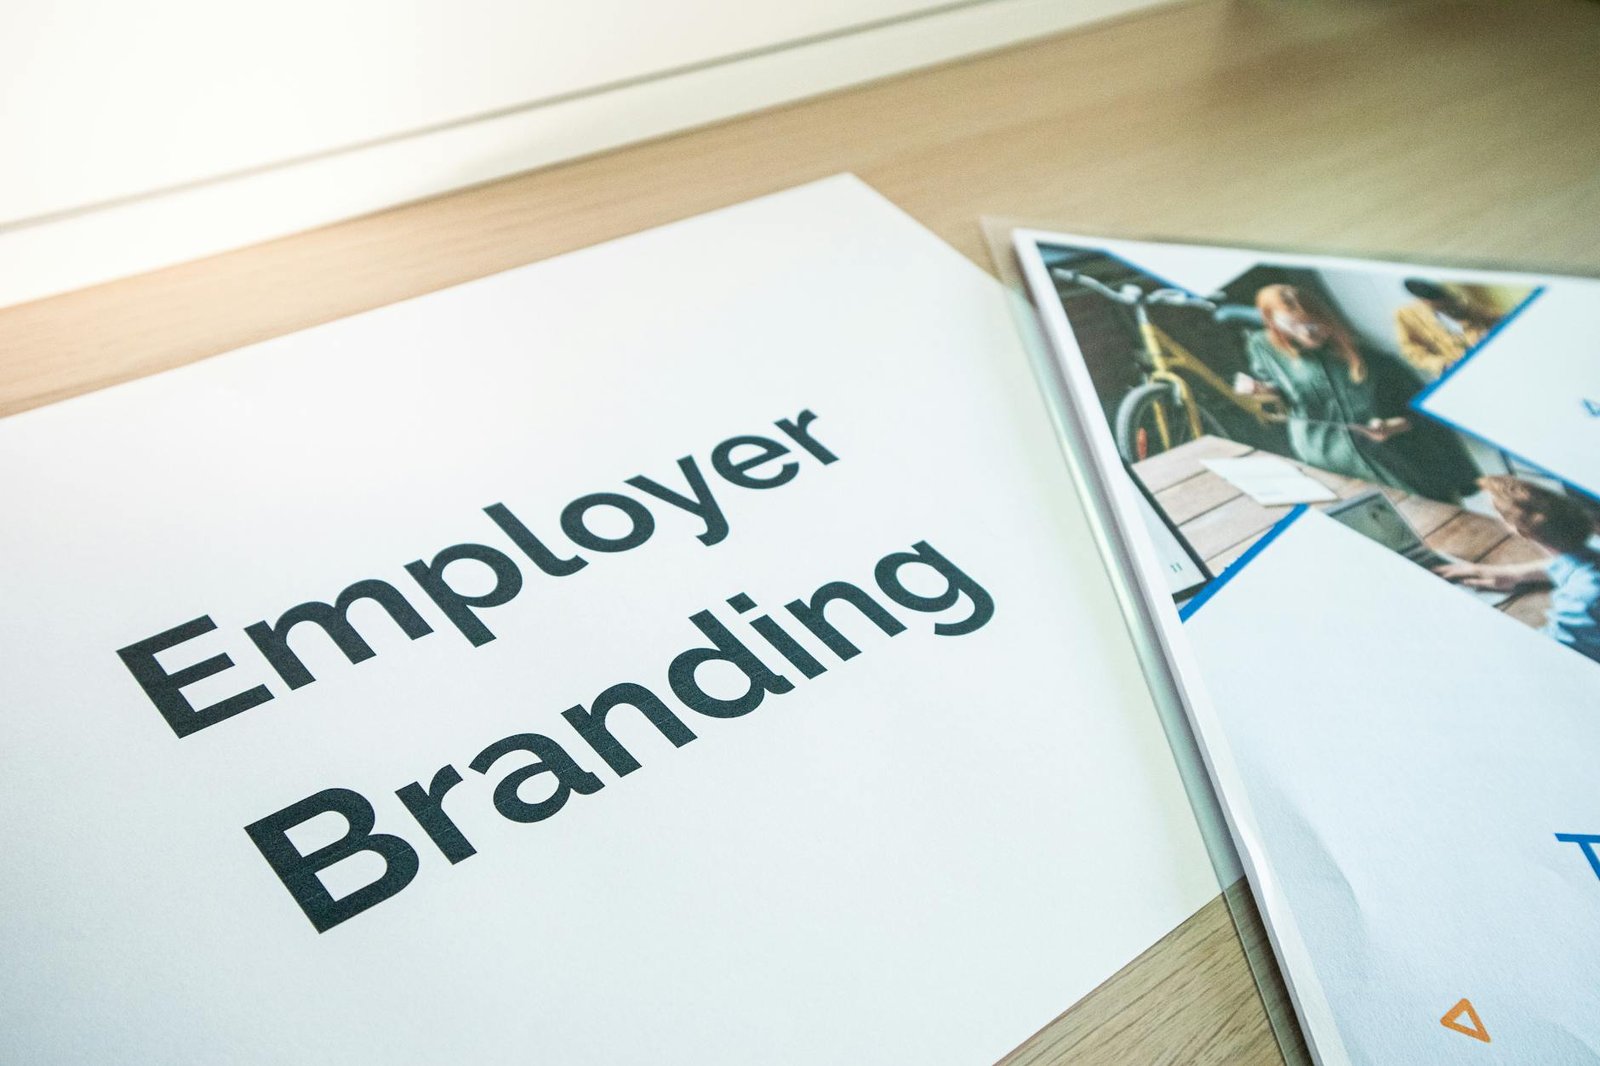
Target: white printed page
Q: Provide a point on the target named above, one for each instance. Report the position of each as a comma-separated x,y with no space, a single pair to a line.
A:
1413,778
1533,389
684,651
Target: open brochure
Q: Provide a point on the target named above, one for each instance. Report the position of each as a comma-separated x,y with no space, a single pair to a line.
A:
1385,476
684,651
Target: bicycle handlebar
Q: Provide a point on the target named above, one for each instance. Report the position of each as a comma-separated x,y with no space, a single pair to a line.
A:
1132,295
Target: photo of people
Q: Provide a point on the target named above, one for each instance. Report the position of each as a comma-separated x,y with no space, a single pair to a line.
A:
1293,384
1345,407
1566,529
1439,326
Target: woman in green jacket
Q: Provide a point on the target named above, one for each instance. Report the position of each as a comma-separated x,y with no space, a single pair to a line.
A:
1347,411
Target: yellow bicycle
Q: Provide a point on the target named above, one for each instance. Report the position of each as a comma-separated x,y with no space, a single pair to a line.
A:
1165,410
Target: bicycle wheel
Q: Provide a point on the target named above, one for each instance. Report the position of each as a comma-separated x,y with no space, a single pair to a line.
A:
1149,421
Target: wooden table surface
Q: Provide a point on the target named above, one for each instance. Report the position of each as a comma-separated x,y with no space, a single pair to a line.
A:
1447,131
1220,522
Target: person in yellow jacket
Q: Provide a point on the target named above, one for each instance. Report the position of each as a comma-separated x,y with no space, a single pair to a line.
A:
1438,328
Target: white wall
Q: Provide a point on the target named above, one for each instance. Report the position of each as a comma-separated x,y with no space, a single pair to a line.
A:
139,133
1368,302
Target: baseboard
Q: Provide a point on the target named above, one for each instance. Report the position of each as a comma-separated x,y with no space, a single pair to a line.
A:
74,249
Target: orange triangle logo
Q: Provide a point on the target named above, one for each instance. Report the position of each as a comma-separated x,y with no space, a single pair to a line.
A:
1452,1020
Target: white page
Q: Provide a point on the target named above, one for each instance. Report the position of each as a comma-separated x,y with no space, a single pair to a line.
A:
1182,572
1400,773
919,856
1533,389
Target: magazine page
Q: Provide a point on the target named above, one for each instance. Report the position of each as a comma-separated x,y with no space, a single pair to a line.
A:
1233,390
1422,790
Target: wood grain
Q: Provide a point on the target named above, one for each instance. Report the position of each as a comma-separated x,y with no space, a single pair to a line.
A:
1163,471
1426,516
1447,131
1468,536
1214,945
1221,523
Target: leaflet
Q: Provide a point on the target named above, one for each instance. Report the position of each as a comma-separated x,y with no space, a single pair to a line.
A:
687,650
1392,669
